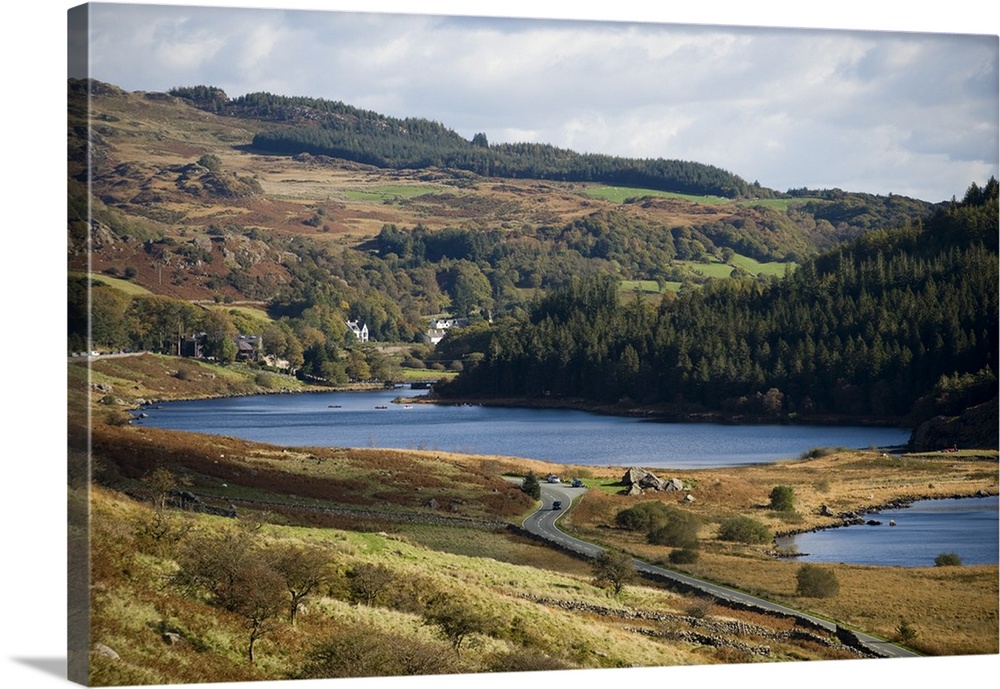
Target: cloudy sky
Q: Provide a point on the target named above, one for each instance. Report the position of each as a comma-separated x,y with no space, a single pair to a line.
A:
879,111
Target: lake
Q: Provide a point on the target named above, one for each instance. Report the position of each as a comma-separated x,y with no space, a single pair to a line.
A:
371,419
966,527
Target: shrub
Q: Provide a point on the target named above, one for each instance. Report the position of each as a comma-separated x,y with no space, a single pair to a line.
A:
267,381
211,162
679,530
645,516
947,560
817,452
783,498
744,530
699,608
683,556
364,651
525,660
905,632
817,582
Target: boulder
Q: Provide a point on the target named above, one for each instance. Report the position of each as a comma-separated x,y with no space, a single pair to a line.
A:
633,475
636,480
651,481
673,484
106,651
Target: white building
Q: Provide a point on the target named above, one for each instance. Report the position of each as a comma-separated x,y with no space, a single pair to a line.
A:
360,330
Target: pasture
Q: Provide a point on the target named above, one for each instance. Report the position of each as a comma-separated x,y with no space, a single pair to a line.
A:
620,194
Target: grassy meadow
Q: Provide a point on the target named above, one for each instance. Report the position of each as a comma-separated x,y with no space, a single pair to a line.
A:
621,194
388,193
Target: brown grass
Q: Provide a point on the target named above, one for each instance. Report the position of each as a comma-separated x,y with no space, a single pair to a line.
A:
954,610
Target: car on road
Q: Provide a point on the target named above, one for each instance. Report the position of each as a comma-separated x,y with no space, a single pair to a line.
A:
557,505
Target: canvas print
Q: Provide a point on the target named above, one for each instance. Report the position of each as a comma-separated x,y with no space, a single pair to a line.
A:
415,345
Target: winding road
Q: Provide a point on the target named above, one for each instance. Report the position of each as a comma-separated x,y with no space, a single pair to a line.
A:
542,523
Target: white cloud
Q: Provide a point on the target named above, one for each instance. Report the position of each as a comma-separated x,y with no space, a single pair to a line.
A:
782,106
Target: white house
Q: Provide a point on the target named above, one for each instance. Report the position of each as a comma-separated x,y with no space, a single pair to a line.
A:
439,326
360,330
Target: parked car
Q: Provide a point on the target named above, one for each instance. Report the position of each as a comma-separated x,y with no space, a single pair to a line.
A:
577,483
553,479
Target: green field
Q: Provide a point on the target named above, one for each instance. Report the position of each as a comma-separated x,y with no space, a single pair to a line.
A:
778,204
250,311
714,269
119,284
388,193
620,194
648,286
772,268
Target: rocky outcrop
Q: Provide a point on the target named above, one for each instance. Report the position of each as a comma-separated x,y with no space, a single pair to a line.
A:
637,480
976,427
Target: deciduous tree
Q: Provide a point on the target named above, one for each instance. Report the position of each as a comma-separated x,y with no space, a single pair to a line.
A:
302,570
614,568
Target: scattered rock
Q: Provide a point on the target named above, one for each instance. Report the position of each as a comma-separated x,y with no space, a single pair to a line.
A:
172,638
106,651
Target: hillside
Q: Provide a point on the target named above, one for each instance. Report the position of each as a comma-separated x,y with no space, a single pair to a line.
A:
195,539
164,169
898,326
214,559
190,226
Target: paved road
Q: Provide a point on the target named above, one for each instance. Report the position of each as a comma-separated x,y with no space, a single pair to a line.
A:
542,523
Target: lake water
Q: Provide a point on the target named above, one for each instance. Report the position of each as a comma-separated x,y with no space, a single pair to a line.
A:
353,419
966,527
371,419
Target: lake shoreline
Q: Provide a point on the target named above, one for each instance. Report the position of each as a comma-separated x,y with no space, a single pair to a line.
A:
786,546
661,414
855,517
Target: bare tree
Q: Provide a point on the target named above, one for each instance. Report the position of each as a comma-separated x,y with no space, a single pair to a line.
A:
367,581
235,575
614,567
456,619
302,569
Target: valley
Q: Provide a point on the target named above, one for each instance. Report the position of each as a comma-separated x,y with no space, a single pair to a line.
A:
221,265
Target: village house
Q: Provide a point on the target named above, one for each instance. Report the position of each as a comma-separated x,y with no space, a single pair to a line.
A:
249,347
360,330
439,326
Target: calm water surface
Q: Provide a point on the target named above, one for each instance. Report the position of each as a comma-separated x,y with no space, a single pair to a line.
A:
353,419
966,527
371,419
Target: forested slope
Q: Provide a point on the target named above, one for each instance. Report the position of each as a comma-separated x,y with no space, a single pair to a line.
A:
897,324
331,128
